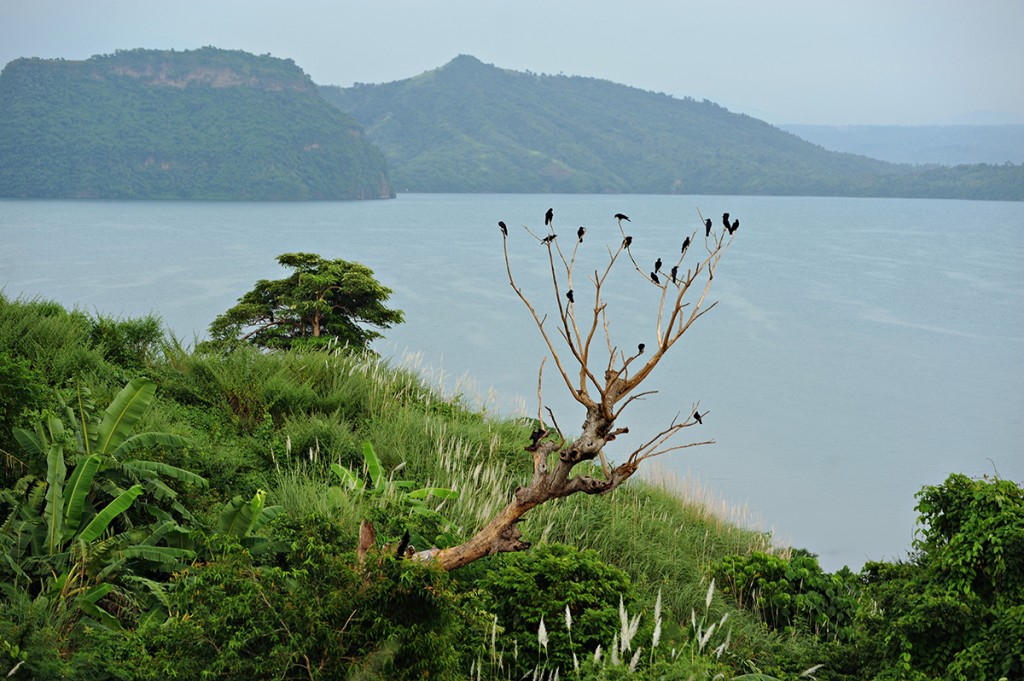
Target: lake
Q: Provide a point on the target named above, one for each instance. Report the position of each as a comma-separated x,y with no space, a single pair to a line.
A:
861,348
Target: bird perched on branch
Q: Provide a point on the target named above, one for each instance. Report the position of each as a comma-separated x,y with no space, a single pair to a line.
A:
674,272
686,244
580,232
696,415
640,349
725,220
707,228
549,238
568,294
549,217
620,217
627,241
504,229
654,278
735,226
536,436
657,265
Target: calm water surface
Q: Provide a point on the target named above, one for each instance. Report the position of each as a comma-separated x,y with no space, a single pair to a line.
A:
862,348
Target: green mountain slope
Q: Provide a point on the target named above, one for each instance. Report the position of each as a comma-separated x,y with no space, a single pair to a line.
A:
202,124
473,127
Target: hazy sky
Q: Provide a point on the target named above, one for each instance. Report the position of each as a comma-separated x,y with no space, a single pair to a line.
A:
905,62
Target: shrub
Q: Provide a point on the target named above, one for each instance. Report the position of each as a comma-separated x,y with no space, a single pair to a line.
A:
522,588
792,593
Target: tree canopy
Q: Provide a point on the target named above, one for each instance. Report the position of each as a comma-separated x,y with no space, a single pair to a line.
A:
322,301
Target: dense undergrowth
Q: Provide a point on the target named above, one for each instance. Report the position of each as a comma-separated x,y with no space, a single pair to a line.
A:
206,535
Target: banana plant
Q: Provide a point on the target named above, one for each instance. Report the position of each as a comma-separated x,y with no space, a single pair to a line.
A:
241,519
109,437
414,501
71,526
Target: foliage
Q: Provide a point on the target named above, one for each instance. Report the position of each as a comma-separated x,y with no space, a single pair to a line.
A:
398,508
506,131
955,611
21,391
111,608
521,589
240,520
323,302
793,592
316,615
129,343
198,124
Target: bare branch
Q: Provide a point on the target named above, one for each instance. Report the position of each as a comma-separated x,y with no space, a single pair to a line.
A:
614,390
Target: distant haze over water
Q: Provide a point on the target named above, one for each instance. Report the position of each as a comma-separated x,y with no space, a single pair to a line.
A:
862,348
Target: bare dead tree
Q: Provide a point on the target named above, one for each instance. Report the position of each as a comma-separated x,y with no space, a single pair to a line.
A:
603,380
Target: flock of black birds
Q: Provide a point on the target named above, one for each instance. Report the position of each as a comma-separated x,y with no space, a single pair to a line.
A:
549,221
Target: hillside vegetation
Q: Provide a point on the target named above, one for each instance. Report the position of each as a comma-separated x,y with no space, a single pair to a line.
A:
168,513
201,124
473,127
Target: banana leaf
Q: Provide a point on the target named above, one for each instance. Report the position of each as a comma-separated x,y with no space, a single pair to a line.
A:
121,416
160,468
348,479
99,524
148,441
54,513
76,492
87,604
373,466
436,492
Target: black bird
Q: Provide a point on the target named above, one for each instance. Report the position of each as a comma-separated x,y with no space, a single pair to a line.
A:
674,272
504,229
686,244
620,217
725,220
549,238
707,228
640,349
580,232
568,294
657,265
402,545
549,217
627,241
696,415
654,278
735,226
536,436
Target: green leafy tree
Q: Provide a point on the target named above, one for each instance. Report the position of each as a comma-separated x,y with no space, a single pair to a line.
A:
322,301
956,610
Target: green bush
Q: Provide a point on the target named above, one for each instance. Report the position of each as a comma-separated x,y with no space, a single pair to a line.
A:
792,593
955,610
315,614
522,588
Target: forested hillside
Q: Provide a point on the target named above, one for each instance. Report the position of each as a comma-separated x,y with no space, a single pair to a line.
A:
473,127
202,124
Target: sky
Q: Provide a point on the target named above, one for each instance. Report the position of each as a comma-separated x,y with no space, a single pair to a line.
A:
856,62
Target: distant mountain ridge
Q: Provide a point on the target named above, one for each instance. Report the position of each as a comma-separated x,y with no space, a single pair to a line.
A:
473,127
921,144
199,124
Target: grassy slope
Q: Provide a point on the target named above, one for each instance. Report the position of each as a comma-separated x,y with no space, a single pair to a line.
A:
274,421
